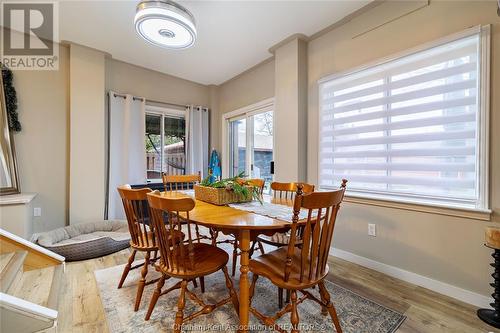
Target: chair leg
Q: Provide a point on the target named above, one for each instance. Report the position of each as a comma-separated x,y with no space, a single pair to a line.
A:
261,247
202,284
287,297
252,249
197,233
214,234
195,284
232,292
252,286
329,306
142,281
280,298
324,310
294,315
235,257
179,316
127,268
155,297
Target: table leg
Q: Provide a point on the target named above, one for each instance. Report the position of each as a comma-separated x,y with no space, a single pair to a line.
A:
244,244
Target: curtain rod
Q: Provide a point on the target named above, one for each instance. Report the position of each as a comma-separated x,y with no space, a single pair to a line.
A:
149,100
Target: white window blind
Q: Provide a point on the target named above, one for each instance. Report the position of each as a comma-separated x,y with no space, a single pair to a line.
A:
407,128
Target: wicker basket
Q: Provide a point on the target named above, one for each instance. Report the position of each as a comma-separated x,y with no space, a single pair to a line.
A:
219,196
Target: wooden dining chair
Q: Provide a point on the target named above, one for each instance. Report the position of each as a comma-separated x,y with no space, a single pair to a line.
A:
183,183
282,191
297,268
185,260
259,183
285,192
142,237
180,182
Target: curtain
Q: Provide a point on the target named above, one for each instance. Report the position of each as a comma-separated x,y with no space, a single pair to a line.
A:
126,150
197,131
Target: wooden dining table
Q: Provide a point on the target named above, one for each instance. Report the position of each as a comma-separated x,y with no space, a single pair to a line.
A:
245,226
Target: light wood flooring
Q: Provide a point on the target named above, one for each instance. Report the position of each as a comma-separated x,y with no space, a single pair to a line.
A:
81,310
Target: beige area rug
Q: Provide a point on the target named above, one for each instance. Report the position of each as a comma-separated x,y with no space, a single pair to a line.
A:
357,314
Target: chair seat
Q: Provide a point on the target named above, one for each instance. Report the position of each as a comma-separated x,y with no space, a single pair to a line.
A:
278,239
272,266
207,259
149,244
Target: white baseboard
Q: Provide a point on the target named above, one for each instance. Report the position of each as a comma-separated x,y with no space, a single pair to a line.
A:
419,280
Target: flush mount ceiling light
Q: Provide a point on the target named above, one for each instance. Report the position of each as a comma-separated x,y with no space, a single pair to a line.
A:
165,23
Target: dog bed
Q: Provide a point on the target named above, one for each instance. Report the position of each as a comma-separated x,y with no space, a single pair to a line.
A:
86,240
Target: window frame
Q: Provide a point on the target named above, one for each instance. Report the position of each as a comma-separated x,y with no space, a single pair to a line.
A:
163,112
244,112
425,203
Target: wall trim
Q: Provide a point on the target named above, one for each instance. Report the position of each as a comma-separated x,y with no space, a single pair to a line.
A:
414,278
254,108
414,206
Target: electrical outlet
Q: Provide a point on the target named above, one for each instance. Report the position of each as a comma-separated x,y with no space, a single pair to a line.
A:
37,211
372,230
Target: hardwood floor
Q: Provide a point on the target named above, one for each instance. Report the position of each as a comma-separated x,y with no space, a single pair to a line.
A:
80,308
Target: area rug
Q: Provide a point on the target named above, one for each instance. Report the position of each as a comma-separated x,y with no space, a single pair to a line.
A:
357,314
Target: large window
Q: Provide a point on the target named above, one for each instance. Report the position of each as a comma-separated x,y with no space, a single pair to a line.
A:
249,142
165,142
413,128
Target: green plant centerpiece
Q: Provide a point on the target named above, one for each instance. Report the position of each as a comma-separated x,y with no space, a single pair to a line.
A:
225,191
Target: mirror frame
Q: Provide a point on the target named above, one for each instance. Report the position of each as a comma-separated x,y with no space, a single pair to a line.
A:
8,141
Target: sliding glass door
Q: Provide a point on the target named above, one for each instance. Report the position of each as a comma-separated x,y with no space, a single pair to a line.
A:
262,147
250,139
237,146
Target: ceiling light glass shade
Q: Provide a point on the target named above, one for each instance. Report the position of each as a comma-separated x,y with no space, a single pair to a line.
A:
165,24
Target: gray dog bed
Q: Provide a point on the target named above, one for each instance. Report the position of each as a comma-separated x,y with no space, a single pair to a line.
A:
86,240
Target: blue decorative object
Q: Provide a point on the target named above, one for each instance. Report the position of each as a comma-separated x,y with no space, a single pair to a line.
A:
214,169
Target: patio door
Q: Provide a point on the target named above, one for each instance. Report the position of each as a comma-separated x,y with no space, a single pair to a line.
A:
250,144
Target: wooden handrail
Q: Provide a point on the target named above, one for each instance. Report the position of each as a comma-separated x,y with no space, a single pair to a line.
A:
38,257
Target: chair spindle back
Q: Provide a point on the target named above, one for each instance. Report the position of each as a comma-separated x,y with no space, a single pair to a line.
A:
137,212
176,255
259,183
287,191
317,234
180,182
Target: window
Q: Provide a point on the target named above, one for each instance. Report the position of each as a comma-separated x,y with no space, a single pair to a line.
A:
413,128
164,128
249,141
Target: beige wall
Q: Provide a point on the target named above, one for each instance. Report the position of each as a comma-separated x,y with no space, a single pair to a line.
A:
444,248
215,122
290,114
252,86
126,78
87,135
42,147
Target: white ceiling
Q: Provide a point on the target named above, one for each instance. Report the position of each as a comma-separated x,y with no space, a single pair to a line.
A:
232,35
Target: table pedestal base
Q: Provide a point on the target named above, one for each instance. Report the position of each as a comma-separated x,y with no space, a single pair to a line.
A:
491,317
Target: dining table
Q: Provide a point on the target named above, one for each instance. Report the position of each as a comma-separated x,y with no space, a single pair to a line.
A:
245,226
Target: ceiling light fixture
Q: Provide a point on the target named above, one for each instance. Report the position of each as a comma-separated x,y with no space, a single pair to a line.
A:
165,23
